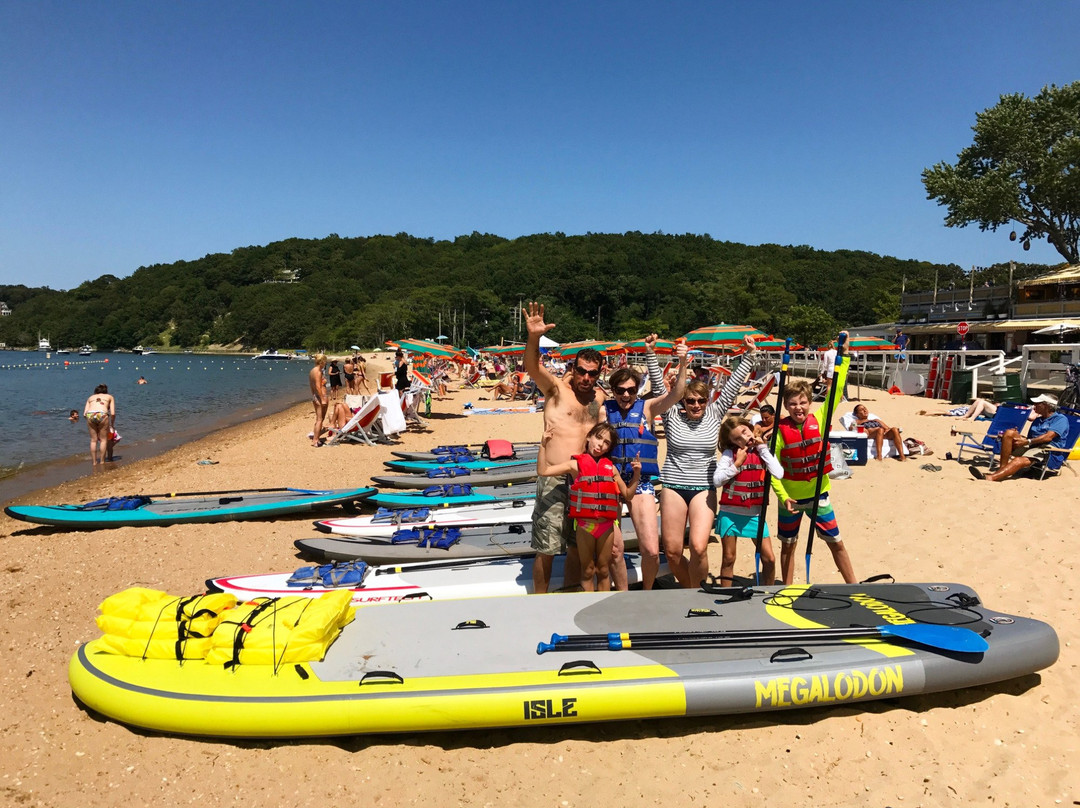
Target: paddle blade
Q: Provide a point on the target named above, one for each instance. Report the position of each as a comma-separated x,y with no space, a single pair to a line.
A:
945,638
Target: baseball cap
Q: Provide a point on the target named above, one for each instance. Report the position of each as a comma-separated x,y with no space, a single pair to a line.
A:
1045,399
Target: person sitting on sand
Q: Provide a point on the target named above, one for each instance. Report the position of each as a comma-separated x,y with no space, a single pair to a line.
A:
878,431
1049,429
763,429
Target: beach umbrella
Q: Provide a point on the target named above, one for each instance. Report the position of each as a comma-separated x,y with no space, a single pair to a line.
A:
871,344
1058,329
504,350
722,334
354,347
663,346
442,338
574,348
428,348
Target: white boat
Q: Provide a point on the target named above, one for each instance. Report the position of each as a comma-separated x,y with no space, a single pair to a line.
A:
85,350
43,343
138,349
273,354
60,351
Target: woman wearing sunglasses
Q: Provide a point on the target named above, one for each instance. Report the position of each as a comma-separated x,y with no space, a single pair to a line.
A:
688,496
633,418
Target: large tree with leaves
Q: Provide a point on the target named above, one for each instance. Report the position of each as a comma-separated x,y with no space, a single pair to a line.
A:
1023,167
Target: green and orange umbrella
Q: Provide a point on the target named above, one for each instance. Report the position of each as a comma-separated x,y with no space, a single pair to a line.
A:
574,348
663,346
871,344
722,334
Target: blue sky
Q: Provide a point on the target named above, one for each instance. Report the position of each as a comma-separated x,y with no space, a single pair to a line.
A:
134,133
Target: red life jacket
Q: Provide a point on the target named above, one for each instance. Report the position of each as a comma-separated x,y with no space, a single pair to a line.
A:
594,494
747,488
802,448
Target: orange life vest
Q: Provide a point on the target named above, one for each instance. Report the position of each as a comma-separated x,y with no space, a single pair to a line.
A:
594,494
802,449
747,488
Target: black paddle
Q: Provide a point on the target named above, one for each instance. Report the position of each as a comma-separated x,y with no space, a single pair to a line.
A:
219,493
830,404
768,476
943,638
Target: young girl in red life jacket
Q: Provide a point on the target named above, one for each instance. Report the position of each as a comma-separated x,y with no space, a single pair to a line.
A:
596,496
741,473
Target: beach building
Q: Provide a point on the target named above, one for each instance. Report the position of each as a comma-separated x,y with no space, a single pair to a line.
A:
999,318
4,310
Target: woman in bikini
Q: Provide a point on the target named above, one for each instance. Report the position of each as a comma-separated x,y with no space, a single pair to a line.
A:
318,397
688,496
100,414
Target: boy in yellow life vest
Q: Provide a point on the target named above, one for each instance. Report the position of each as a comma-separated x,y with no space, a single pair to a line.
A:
798,446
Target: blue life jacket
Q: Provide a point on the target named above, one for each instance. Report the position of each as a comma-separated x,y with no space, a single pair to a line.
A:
634,437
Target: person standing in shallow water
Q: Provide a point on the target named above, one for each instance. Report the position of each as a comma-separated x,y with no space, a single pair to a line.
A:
100,414
319,399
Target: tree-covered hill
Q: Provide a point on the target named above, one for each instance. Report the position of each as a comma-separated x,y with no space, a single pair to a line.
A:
334,292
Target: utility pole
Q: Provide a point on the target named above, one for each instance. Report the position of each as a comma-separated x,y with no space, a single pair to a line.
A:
598,321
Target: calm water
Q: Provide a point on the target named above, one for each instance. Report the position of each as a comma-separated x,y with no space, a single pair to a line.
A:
185,396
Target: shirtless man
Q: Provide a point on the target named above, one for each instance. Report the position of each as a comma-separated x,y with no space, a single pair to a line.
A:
318,397
571,409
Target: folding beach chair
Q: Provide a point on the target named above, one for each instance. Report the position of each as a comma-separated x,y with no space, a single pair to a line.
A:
473,379
362,427
1047,457
762,395
1008,416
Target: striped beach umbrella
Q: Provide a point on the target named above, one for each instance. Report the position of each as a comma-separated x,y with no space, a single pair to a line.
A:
427,347
574,348
871,344
721,334
504,350
663,346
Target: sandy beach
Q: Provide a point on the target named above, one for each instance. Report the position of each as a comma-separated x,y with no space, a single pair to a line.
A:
1011,744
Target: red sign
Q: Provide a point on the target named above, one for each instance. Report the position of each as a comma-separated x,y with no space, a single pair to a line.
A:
961,328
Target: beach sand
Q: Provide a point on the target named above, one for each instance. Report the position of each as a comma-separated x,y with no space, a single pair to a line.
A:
1013,744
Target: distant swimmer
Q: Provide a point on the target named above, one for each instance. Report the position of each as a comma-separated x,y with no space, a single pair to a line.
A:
142,380
73,416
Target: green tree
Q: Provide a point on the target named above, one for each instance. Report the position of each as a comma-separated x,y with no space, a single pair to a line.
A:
810,325
1024,167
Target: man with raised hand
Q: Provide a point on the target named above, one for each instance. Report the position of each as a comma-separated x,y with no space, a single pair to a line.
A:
571,408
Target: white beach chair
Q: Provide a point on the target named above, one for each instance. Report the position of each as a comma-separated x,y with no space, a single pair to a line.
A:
393,419
362,427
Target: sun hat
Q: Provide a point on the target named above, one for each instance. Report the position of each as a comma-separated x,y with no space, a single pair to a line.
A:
1045,399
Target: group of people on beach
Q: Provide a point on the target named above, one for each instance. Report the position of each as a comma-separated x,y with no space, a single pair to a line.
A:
597,453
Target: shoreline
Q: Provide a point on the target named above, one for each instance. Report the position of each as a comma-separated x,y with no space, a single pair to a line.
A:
1014,740
53,473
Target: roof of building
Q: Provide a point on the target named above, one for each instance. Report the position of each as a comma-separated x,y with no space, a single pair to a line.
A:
1066,274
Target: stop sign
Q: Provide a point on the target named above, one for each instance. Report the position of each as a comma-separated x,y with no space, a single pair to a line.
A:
961,328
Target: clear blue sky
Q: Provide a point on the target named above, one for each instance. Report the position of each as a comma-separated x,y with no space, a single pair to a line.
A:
134,133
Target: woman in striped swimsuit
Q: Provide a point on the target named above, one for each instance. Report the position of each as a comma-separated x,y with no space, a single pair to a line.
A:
688,495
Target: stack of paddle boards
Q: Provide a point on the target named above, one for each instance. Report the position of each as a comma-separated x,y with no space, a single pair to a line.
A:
446,495
474,451
388,521
172,509
428,544
538,661
434,580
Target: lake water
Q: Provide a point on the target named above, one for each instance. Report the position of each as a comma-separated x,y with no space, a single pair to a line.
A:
186,396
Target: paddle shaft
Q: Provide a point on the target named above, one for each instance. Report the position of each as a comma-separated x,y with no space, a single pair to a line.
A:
785,359
218,493
830,404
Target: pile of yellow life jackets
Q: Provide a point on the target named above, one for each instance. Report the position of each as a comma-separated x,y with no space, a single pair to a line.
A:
150,624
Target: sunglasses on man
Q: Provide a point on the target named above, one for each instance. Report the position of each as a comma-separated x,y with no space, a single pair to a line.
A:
592,374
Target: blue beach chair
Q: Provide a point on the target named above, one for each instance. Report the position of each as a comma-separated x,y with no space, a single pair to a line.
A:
1052,461
1008,416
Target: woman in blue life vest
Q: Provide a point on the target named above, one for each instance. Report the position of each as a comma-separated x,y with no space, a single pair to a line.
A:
740,471
633,420
596,496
